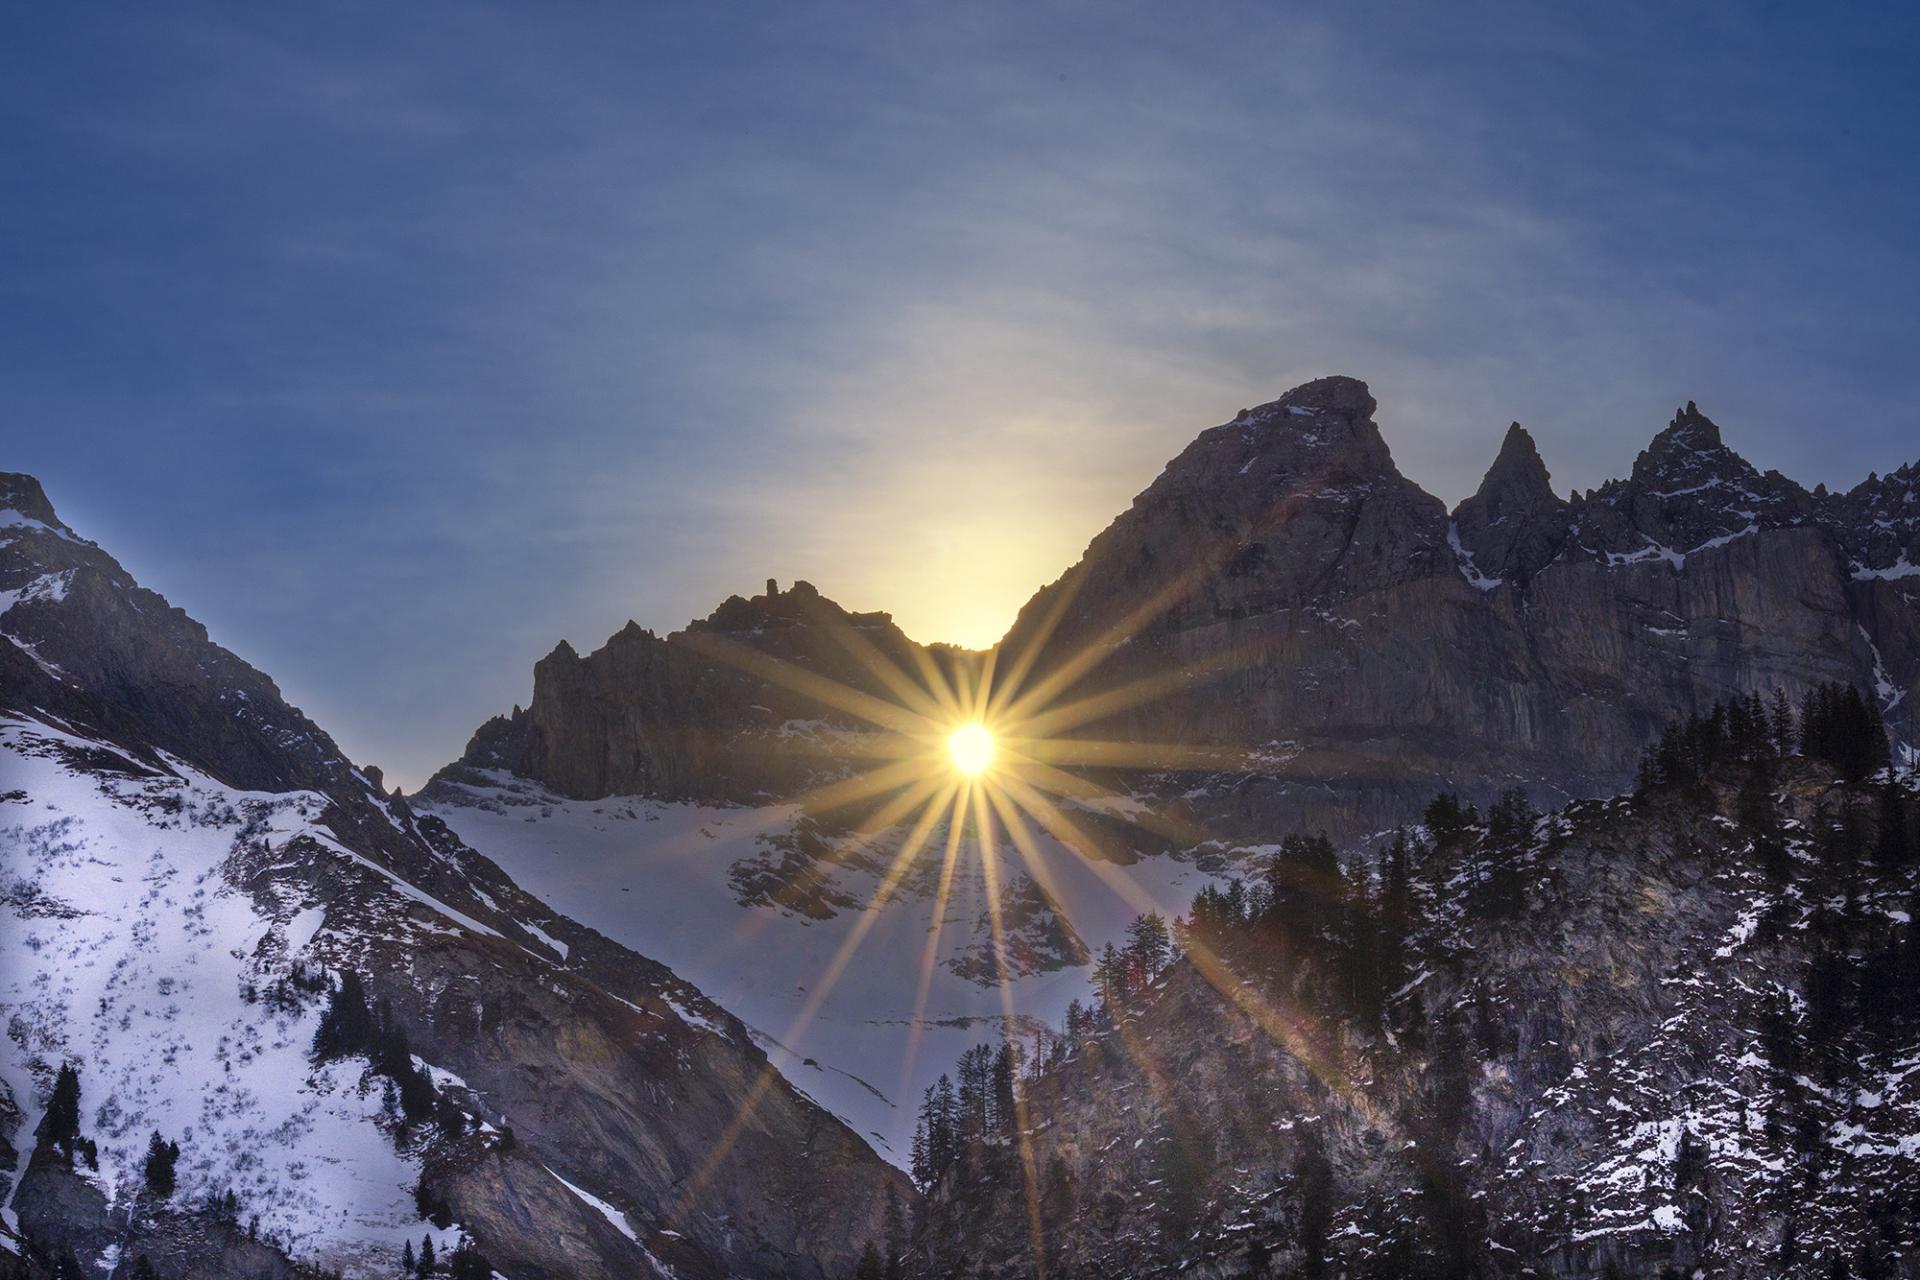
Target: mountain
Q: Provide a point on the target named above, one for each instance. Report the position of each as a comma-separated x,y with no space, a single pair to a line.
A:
1329,609
1337,630
1282,633
664,973
1670,1033
341,1014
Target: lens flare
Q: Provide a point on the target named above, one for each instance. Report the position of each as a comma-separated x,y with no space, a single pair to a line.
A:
971,749
1009,767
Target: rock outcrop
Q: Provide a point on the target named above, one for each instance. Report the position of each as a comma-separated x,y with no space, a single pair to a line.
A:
1514,525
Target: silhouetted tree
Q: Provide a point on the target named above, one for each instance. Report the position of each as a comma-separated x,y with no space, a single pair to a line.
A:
466,1262
162,1156
1448,818
60,1125
1313,1187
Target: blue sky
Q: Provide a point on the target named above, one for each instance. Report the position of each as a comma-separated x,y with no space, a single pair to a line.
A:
398,342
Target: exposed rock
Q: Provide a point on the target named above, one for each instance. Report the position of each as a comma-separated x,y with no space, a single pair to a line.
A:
610,1071
1341,639
1514,525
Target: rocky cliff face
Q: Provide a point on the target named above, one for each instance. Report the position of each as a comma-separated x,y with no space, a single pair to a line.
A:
186,858
1291,598
695,715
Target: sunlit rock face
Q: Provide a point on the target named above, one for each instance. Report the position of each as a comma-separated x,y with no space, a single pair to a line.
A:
1282,591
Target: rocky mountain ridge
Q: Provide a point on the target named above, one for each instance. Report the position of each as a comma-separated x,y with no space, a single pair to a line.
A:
190,865
1356,643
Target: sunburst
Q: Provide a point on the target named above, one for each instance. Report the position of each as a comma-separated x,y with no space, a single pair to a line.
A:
987,749
971,748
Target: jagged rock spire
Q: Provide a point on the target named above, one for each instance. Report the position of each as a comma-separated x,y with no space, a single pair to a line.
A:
1514,524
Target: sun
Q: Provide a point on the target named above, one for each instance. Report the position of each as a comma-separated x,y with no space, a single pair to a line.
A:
971,749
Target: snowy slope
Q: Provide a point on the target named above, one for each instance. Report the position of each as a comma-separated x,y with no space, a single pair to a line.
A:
659,877
124,949
187,862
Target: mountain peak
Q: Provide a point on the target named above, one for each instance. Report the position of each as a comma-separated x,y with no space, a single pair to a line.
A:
1514,523
1337,393
22,493
1517,464
1691,431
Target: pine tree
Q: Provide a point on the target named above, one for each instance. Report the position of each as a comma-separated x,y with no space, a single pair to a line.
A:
1447,818
406,1257
1785,737
1313,1187
425,1265
1005,1116
1396,909
60,1126
346,1026
1509,831
162,1157
870,1267
1076,1027
1149,949
1109,982
920,1164
468,1263
939,1114
1893,840
896,1237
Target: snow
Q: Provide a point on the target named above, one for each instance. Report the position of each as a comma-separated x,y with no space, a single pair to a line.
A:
607,1211
301,929
124,950
11,519
1464,560
654,876
48,586
1884,688
1901,568
1652,551
546,937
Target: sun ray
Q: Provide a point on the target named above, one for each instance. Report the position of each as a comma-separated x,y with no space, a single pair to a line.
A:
1034,777
869,915
955,831
965,739
1018,703
831,693
1285,1029
845,791
1035,643
1071,715
989,867
816,998
1097,650
925,701
1117,754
